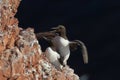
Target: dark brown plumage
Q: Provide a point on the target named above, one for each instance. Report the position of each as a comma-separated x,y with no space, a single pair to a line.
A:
62,45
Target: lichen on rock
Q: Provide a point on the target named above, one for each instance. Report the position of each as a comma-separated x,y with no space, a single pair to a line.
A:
21,57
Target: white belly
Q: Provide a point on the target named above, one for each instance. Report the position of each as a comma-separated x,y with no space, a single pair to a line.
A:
62,45
51,55
60,42
64,51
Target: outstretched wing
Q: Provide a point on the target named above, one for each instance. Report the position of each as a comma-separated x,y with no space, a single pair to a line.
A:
47,35
74,46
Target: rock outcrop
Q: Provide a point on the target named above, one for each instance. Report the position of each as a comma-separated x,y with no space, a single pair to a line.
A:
21,57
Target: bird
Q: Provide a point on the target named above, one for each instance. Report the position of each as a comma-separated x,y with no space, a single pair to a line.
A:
63,45
53,56
57,36
52,37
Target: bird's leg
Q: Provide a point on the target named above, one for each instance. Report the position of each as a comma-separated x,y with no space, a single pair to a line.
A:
64,63
65,59
61,61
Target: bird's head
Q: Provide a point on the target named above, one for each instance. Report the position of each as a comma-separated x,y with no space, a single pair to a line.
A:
59,29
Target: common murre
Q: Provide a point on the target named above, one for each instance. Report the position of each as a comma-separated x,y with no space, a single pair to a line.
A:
63,45
53,56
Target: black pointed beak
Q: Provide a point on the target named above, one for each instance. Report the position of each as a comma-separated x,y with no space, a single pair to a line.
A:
53,31
59,26
55,28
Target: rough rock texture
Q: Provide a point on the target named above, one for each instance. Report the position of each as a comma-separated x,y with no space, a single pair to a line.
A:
21,57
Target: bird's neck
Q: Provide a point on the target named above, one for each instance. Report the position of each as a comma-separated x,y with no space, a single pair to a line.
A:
63,34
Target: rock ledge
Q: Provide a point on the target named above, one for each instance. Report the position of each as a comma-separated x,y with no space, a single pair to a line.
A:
21,57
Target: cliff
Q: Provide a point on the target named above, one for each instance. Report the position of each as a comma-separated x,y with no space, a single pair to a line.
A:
21,57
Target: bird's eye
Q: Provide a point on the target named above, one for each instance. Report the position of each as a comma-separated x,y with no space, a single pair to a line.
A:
57,33
60,28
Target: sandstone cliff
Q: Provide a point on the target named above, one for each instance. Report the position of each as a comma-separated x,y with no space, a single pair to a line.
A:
21,57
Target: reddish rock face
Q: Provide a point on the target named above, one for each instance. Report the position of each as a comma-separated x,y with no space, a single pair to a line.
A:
21,57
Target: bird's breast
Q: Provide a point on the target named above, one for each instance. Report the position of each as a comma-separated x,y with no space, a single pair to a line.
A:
60,41
62,45
64,51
